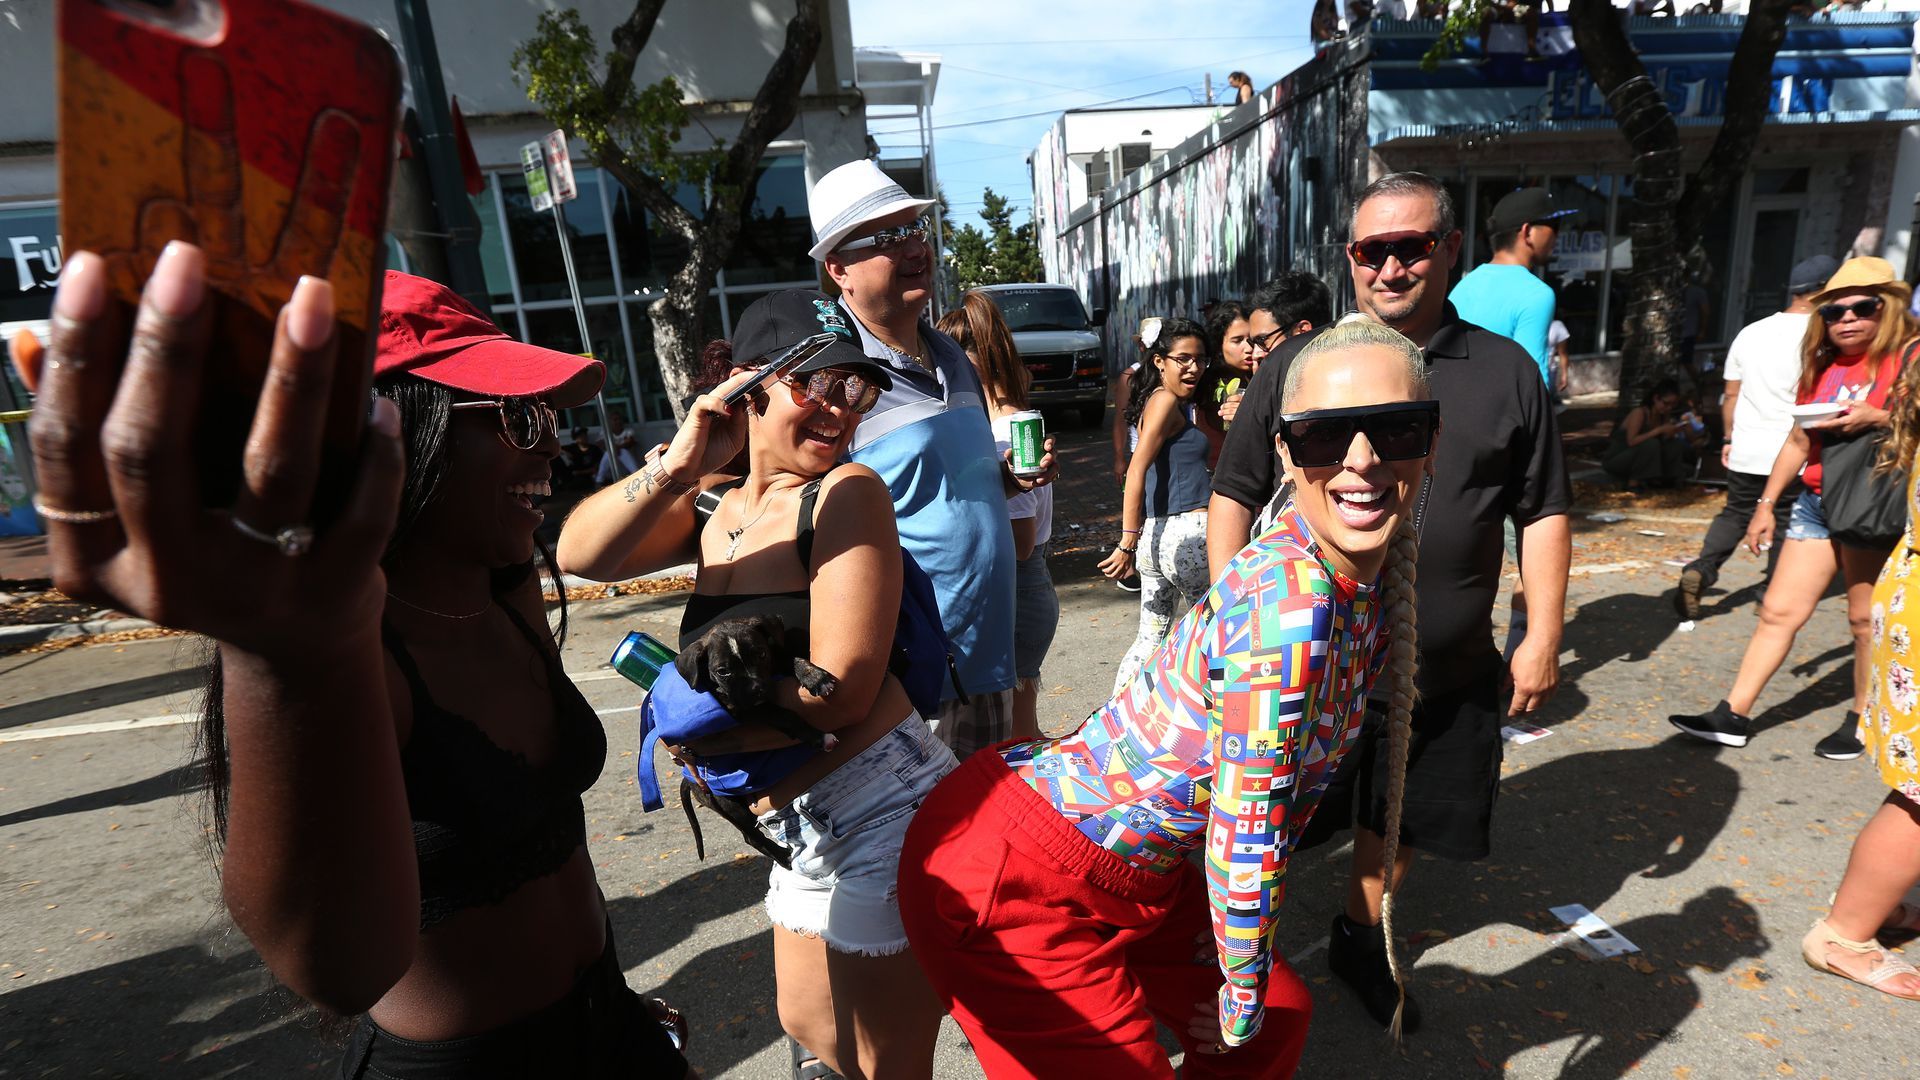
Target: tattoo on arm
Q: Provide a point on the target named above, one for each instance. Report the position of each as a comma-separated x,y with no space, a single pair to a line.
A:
635,482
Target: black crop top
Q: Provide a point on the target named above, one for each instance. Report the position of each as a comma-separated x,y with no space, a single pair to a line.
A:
485,821
794,608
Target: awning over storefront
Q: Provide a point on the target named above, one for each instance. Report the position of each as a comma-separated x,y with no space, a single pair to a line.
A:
1860,119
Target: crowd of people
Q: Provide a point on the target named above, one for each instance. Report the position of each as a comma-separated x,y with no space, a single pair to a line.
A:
1317,509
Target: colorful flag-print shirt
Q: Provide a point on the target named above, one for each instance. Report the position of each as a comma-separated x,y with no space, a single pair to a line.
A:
1229,734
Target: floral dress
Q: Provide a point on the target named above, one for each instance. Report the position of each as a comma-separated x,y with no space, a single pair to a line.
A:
1892,722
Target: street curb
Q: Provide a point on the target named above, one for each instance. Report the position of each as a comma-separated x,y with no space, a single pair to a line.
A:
573,582
15,637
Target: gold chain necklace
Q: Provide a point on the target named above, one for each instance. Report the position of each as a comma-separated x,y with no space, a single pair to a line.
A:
438,614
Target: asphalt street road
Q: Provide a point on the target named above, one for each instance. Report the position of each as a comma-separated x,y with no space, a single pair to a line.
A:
115,959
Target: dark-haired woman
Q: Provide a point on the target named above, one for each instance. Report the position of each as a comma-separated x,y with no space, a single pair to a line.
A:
979,328
1856,342
395,754
813,541
1649,448
1163,518
1230,367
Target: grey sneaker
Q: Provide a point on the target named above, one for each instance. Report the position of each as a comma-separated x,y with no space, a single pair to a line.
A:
1844,744
1720,725
1686,598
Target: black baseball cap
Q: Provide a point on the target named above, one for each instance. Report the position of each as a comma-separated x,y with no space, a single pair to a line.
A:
779,321
1527,206
1810,275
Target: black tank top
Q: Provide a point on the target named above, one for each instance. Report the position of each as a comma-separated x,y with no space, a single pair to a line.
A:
794,608
485,820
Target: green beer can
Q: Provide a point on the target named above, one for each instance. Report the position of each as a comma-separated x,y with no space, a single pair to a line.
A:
1029,436
640,657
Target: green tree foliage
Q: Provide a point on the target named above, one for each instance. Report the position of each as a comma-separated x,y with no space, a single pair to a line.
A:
1003,254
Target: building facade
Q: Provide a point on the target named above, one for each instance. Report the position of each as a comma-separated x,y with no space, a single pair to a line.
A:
1831,172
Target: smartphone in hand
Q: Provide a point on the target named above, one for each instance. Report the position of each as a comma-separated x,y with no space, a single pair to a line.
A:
807,349
262,131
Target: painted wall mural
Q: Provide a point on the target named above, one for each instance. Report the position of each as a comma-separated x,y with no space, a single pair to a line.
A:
1261,190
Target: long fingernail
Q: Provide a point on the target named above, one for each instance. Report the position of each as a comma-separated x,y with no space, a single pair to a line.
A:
179,281
83,288
310,313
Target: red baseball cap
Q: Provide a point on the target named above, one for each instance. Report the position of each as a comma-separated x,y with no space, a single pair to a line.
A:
429,331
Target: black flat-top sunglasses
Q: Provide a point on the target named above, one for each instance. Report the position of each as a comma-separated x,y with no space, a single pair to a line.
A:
1401,431
1862,309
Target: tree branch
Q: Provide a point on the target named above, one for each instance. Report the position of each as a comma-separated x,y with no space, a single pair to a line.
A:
778,101
629,41
1749,88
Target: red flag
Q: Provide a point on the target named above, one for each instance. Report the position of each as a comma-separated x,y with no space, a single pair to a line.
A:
476,182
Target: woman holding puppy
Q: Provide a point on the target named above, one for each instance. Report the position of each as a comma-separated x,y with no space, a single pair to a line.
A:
813,542
1046,885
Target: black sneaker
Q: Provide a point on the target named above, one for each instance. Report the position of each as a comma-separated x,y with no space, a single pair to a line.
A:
1686,598
1358,955
1844,744
1722,725
1130,583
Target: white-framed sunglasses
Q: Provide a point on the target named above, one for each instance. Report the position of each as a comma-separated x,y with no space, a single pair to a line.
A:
886,238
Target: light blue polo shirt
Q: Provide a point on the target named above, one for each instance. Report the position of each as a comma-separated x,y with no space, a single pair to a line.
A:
930,440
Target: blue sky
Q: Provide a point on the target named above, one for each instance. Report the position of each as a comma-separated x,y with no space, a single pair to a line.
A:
1007,58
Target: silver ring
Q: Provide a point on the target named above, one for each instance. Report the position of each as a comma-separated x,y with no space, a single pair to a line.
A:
73,517
292,540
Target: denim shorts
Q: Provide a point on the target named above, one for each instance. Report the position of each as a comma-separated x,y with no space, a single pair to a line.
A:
1036,613
1807,520
845,833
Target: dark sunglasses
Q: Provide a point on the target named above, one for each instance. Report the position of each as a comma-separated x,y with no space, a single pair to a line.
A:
820,387
886,239
1863,309
1373,252
524,421
1399,432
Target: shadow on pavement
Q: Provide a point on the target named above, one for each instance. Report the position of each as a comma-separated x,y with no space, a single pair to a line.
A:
181,780
101,697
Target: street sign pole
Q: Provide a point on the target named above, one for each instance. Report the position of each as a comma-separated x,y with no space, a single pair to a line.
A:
549,174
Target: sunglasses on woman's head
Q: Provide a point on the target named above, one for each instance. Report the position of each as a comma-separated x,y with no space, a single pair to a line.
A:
1863,309
1374,251
1401,431
524,421
887,238
819,387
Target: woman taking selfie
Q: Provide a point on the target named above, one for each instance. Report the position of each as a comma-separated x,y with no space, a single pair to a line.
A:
394,755
1857,339
1047,885
1163,519
812,541
980,330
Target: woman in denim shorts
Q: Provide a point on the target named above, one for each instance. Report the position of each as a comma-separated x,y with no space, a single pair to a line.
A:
812,542
982,332
1857,339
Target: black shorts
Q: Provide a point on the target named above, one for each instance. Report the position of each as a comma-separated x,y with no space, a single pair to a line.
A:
600,1030
1453,776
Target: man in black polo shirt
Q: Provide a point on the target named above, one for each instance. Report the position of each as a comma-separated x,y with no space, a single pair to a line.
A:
1498,457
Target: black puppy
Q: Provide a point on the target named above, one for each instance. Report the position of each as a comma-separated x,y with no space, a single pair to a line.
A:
738,661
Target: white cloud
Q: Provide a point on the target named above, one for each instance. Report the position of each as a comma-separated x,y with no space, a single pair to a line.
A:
1006,58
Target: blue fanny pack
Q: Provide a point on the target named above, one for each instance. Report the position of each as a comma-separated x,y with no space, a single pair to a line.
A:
676,713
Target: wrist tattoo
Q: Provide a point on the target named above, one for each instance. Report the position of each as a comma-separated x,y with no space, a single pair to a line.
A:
634,483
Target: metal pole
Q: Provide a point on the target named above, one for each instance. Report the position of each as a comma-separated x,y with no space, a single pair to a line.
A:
580,313
462,244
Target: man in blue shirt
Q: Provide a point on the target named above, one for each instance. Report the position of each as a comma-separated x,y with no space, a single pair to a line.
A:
1505,296
929,438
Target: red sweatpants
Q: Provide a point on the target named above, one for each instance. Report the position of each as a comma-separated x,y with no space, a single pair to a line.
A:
1055,956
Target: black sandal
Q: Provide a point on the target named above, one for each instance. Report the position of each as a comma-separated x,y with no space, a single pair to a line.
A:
807,1066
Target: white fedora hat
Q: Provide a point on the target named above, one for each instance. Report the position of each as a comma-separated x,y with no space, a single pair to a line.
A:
849,197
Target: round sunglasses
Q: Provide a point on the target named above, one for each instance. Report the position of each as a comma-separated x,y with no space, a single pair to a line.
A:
858,392
524,421
1401,431
1861,309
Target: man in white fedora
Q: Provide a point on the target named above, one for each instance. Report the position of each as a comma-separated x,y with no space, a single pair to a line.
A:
929,438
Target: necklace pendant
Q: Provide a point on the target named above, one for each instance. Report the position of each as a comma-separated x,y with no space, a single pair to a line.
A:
733,541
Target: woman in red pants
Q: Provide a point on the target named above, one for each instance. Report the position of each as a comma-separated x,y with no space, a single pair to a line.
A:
1045,886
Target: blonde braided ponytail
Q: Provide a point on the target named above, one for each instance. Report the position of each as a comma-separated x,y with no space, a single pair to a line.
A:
1402,619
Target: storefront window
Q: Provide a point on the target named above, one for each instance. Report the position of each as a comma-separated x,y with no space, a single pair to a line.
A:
536,251
559,328
776,232
493,248
1578,270
650,252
